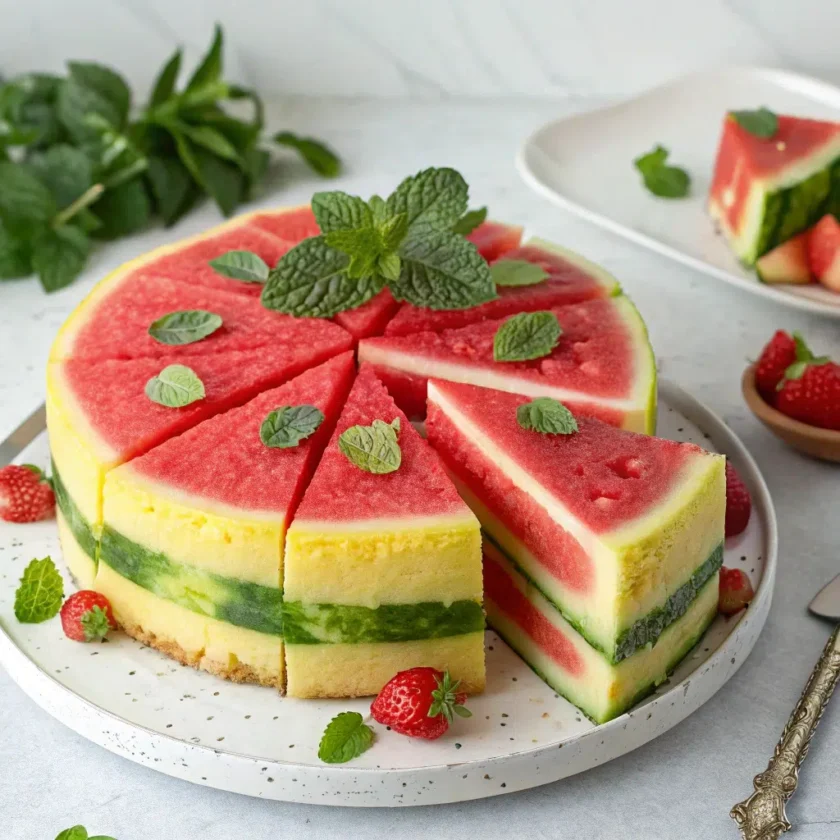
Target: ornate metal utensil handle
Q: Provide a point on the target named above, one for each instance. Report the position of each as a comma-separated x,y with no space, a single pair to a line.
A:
762,815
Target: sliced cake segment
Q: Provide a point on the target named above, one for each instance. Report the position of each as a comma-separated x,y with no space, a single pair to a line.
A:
766,190
382,571
519,612
99,416
571,279
619,531
198,525
602,365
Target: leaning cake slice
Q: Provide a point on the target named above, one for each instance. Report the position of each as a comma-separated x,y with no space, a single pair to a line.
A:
619,531
382,570
191,550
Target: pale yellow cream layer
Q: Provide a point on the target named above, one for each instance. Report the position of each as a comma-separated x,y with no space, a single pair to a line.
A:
81,566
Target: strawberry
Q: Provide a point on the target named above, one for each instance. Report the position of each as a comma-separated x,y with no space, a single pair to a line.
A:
735,591
87,616
810,389
25,494
738,503
420,702
775,359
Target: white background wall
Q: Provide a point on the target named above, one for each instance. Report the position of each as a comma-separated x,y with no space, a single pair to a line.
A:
430,48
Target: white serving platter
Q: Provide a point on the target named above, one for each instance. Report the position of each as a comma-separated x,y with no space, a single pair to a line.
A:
585,164
137,703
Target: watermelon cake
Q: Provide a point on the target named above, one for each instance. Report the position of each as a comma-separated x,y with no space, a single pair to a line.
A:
571,279
382,571
602,364
766,190
191,549
619,531
492,239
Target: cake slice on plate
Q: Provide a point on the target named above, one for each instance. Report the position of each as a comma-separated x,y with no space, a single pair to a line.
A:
191,549
602,364
382,569
620,532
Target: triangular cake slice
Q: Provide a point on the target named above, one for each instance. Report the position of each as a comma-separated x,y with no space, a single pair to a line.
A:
191,550
571,279
99,416
602,364
765,190
619,531
382,571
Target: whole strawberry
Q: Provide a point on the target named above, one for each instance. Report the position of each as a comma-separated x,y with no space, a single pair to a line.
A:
87,616
735,592
738,503
420,702
810,389
25,494
775,359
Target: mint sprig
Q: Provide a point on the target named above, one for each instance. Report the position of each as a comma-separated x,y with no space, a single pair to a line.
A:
41,592
175,387
185,327
470,221
529,335
517,273
241,265
373,448
287,426
79,832
546,416
346,737
761,122
405,242
661,179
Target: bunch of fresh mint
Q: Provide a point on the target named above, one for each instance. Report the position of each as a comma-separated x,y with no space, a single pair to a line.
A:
76,166
413,242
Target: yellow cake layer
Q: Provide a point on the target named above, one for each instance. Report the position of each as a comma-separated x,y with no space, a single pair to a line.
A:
224,649
384,562
81,566
359,670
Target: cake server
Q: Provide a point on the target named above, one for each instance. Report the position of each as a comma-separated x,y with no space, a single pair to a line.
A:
762,815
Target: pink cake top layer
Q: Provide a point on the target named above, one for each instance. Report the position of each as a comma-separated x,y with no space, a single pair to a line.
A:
191,264
112,393
293,224
492,239
604,476
341,491
224,460
118,326
566,284
595,353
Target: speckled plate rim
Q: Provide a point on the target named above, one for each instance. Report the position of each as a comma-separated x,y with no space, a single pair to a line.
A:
443,783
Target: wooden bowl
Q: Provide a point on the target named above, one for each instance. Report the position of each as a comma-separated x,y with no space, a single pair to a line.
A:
812,440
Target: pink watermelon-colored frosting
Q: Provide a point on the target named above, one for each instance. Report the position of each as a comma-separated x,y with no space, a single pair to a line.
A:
566,284
224,460
293,224
370,318
604,476
341,491
492,239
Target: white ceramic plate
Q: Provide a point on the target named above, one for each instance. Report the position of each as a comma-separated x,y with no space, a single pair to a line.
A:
585,163
141,705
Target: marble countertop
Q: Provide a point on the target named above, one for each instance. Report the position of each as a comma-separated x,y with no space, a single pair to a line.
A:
682,784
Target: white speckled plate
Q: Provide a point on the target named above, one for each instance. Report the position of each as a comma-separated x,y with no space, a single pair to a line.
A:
585,164
139,704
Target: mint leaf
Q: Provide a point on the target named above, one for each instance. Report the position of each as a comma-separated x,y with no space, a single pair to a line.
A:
442,270
389,267
164,85
76,103
224,182
337,210
172,186
373,448
393,232
318,156
209,71
311,281
41,592
15,256
760,123
432,200
24,201
65,170
241,265
95,624
547,416
175,386
346,737
185,327
470,221
662,180
106,83
59,255
77,832
517,273
210,139
379,209
288,425
123,210
529,335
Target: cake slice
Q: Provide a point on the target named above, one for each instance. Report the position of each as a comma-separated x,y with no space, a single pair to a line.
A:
382,571
766,190
99,416
191,549
602,364
571,279
519,612
619,531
